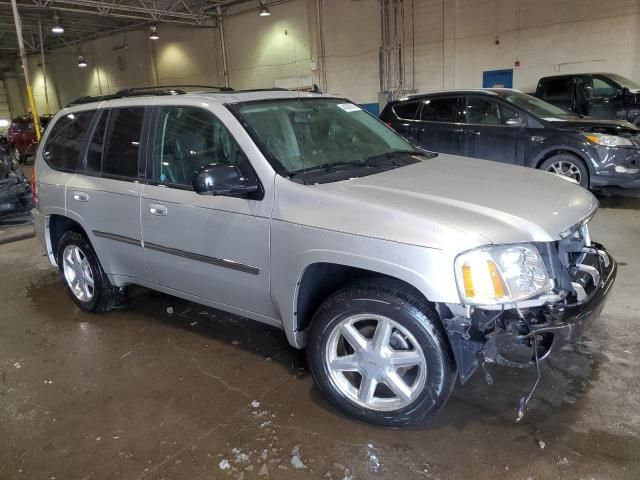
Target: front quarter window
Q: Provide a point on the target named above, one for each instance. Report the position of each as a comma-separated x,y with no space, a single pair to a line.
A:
307,134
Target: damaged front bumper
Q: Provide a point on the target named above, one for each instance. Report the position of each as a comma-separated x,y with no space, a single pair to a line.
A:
523,335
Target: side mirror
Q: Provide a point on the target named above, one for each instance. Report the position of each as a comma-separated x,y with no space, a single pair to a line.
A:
514,122
218,179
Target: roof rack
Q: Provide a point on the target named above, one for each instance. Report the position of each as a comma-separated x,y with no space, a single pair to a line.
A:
143,91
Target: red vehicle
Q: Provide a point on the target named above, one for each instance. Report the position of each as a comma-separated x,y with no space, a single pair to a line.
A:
22,137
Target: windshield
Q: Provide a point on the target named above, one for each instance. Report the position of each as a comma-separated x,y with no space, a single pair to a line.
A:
319,133
625,82
536,107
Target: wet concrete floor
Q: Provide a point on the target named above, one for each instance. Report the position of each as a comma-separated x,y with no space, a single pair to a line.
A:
139,393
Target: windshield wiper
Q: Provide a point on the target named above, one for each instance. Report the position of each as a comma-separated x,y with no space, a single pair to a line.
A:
383,160
389,157
328,167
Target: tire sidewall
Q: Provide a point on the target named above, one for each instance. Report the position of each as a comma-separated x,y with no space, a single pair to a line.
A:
16,156
564,157
80,241
439,379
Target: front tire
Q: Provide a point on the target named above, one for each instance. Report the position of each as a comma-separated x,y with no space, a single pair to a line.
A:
378,353
83,276
567,165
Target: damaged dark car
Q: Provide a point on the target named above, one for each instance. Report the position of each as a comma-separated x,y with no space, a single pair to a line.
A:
16,196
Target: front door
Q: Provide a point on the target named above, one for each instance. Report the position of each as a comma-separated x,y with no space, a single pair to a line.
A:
439,128
493,129
215,248
601,97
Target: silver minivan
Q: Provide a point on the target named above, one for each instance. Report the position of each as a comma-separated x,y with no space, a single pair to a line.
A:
400,271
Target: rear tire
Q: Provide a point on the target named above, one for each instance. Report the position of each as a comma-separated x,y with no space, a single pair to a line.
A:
406,381
83,276
567,165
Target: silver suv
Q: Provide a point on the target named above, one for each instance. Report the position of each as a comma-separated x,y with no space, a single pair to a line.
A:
399,270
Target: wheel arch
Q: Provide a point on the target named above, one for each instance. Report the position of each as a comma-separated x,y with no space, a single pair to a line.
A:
319,279
57,226
558,150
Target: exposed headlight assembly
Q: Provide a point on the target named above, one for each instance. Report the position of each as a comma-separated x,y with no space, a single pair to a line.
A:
608,140
500,274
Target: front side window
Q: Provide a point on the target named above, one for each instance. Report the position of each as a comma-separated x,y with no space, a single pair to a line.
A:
64,143
319,136
188,138
486,111
122,143
536,107
599,88
440,110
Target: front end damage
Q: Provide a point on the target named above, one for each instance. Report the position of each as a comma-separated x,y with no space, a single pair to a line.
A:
525,333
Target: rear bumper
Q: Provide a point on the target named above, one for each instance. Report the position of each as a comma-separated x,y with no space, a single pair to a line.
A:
39,224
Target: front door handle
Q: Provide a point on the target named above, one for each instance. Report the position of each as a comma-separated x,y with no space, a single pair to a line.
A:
156,209
80,196
473,132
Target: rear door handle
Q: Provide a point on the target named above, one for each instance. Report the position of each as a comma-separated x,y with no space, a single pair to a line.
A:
80,196
473,132
156,209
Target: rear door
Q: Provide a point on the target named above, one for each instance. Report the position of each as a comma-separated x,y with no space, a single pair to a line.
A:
211,247
105,194
439,128
559,91
493,129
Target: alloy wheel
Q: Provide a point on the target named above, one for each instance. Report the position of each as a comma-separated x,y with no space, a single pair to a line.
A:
78,273
375,362
566,169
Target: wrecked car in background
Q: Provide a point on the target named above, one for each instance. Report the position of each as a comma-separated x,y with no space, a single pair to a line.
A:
15,190
21,137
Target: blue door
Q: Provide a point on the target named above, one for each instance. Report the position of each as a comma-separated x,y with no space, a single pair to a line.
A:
497,78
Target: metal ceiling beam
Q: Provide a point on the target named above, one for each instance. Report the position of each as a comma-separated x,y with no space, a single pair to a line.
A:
151,12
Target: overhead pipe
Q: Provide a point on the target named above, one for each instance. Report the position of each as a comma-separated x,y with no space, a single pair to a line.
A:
44,70
25,66
225,70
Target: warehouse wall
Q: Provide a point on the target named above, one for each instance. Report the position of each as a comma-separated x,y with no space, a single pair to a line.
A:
454,42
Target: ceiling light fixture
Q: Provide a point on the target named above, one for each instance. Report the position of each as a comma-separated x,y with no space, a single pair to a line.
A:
264,10
153,33
57,28
82,63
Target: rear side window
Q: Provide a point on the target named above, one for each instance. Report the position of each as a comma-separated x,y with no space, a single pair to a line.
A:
94,150
122,143
406,111
64,143
440,110
558,88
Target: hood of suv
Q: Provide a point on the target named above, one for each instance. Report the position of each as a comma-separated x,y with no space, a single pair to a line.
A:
488,201
611,127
